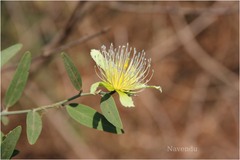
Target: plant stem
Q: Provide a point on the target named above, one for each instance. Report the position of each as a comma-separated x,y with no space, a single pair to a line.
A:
61,103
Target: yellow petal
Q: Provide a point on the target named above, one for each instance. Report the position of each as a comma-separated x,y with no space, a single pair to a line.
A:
103,84
97,57
125,100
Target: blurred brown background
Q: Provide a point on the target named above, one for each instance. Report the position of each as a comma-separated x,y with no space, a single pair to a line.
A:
194,48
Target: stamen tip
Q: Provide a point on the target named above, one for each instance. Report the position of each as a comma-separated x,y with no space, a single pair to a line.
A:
159,88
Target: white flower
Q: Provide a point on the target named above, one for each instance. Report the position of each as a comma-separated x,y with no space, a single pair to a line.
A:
122,71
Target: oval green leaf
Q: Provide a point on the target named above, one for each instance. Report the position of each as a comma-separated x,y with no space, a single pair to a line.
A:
5,120
34,126
9,143
19,81
2,136
91,118
72,72
110,111
9,52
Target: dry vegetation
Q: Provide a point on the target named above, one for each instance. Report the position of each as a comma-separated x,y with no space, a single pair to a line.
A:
194,48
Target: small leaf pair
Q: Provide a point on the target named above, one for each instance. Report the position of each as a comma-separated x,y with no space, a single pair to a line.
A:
91,118
110,121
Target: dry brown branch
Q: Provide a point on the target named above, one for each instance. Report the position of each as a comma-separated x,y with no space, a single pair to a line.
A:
41,58
170,9
199,93
200,55
232,100
160,116
194,116
78,14
169,45
79,41
28,35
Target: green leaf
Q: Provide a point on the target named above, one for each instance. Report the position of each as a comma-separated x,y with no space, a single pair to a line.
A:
125,99
19,81
34,126
110,111
2,136
9,143
72,71
15,152
91,118
9,52
5,120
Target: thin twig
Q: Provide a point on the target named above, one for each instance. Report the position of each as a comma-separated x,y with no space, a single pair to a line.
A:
194,116
171,44
58,122
200,55
78,14
54,51
61,103
79,41
160,116
170,9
